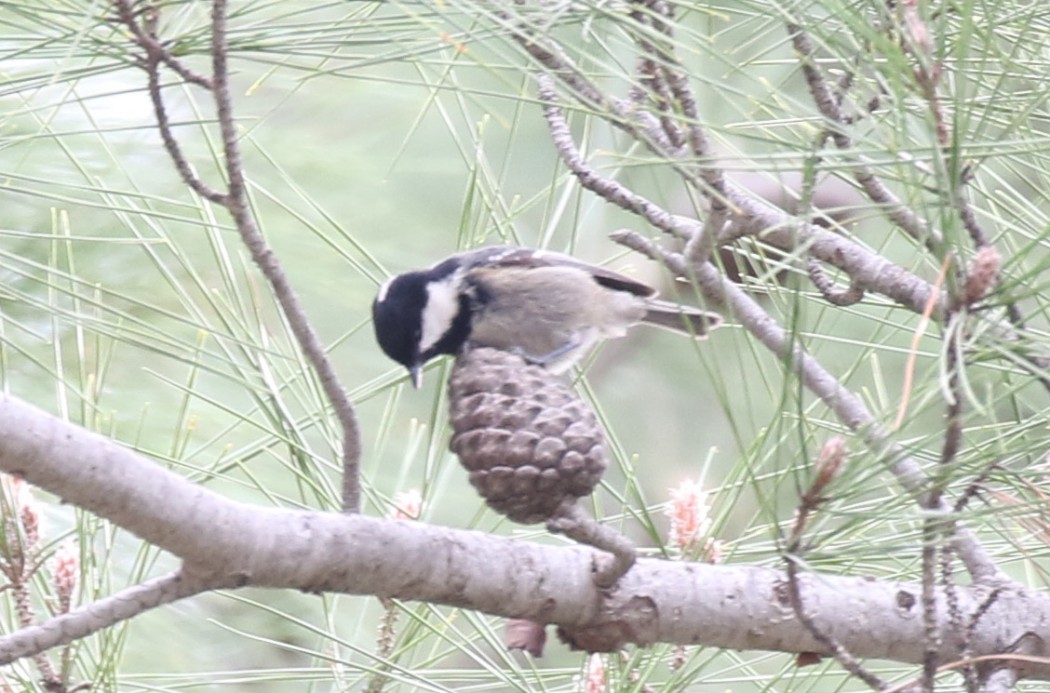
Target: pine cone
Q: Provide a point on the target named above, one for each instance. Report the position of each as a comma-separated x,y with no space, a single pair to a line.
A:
528,441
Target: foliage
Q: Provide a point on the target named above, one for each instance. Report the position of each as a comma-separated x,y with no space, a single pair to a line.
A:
388,134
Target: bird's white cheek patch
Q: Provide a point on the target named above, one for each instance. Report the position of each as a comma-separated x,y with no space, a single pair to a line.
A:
442,306
381,296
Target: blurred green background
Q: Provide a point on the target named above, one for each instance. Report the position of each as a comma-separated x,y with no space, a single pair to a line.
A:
380,137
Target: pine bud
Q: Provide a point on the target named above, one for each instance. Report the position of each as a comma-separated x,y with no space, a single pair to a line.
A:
594,680
983,275
407,505
688,512
65,570
830,462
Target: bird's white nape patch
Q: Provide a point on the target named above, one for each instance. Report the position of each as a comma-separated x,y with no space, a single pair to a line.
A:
440,311
381,296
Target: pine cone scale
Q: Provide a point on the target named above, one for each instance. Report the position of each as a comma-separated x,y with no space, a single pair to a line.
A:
527,440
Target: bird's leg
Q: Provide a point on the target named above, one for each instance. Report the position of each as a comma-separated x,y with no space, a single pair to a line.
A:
550,357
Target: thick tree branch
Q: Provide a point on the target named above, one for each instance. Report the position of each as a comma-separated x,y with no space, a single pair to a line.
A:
232,543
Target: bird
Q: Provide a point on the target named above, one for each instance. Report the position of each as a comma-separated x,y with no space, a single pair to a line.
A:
547,307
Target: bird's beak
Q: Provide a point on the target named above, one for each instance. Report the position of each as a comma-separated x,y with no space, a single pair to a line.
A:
416,371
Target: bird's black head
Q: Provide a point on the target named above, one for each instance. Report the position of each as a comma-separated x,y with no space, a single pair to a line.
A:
420,315
397,316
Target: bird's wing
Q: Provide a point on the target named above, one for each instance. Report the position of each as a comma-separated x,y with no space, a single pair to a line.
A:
511,256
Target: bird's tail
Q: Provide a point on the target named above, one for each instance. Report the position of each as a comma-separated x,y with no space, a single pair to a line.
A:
672,316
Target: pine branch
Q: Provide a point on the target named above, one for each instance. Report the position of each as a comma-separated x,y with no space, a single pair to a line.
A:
232,544
235,200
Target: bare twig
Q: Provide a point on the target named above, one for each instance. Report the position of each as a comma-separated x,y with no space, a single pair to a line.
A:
828,103
743,215
701,244
977,233
938,526
236,201
128,603
650,77
146,37
931,536
624,114
171,144
575,524
156,55
974,488
829,464
916,40
661,16
746,216
849,408
836,297
957,626
656,215
846,660
267,261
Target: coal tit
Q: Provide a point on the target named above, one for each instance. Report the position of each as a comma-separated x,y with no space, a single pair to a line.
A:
547,307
